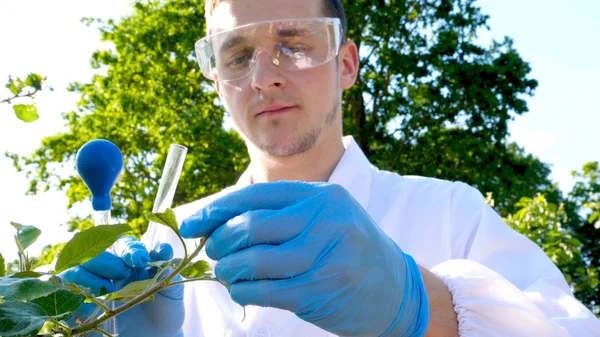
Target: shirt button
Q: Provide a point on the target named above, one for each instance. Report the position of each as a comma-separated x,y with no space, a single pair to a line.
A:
262,331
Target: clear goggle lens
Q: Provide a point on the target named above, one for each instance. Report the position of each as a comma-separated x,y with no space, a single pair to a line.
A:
295,44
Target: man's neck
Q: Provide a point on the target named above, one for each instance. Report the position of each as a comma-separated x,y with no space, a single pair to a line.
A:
316,164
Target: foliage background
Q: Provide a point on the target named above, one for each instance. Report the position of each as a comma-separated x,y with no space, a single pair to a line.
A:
429,101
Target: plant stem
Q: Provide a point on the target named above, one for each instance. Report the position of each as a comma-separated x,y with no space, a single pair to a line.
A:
100,304
197,279
185,252
29,94
63,325
105,333
139,298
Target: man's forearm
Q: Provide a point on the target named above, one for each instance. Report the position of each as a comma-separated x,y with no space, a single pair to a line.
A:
442,317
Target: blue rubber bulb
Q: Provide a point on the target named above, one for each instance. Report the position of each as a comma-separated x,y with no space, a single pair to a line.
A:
99,163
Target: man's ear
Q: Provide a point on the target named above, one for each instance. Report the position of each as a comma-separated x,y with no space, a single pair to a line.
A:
349,64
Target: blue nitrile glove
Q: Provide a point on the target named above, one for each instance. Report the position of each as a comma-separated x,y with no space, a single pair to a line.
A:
311,249
162,317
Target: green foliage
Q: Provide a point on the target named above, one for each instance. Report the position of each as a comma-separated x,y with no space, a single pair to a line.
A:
130,291
26,235
25,274
153,95
48,254
584,201
26,112
430,101
35,303
173,263
2,266
79,224
542,222
86,245
24,89
197,269
23,318
24,289
59,302
166,219
561,237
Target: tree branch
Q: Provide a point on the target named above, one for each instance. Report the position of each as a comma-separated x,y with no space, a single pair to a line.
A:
141,297
29,94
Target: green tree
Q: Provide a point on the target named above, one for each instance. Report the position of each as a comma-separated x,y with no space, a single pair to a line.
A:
153,95
584,199
430,101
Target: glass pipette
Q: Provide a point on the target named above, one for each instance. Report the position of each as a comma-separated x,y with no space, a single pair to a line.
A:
99,163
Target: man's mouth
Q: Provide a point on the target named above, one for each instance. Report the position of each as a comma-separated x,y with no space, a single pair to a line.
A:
275,110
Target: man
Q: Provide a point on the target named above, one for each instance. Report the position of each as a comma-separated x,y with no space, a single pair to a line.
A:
314,240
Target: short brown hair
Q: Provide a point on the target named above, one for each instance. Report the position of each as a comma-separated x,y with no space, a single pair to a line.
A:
331,8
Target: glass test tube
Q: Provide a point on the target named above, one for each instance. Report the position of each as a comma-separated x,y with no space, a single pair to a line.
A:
169,178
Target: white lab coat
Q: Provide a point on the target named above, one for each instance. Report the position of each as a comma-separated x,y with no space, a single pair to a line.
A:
502,284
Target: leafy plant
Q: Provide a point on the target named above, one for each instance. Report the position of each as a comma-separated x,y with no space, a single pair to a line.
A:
585,205
24,89
546,224
37,304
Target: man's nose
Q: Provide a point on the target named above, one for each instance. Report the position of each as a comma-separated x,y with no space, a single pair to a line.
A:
266,74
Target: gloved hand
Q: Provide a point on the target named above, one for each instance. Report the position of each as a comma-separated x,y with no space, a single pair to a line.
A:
125,263
311,249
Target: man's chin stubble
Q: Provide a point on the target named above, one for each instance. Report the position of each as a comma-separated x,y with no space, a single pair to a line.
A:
300,144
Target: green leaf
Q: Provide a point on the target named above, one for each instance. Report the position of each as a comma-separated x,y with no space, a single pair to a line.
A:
26,274
129,291
23,319
12,86
2,266
595,216
27,234
34,81
20,246
594,282
167,218
197,269
575,242
50,327
59,302
25,289
26,112
79,290
174,263
86,245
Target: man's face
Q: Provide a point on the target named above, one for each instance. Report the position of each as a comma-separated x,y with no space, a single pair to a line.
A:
280,112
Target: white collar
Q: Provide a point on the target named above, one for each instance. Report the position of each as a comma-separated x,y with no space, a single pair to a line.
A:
352,172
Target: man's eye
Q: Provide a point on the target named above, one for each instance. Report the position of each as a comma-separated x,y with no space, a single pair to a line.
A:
238,60
293,50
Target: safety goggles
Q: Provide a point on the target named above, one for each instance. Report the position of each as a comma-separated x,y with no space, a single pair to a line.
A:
292,44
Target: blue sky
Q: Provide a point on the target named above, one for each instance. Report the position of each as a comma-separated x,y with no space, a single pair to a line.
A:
556,37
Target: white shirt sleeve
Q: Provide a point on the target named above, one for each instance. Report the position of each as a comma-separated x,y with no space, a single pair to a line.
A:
502,283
